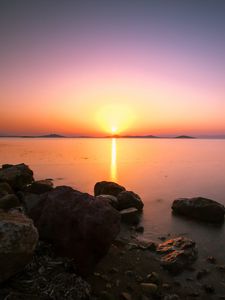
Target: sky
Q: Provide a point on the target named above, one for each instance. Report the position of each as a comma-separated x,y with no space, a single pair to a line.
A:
94,67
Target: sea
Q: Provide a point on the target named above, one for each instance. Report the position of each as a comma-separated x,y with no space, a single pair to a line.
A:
159,170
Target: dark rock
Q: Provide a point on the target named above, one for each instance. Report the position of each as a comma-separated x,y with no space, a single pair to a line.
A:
199,208
9,201
6,166
112,200
177,254
149,288
130,215
104,295
171,297
202,273
30,201
211,260
139,229
108,188
17,176
209,288
18,239
153,278
125,296
127,199
40,186
79,225
5,189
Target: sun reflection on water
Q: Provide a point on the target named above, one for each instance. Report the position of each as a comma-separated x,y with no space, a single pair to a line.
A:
113,161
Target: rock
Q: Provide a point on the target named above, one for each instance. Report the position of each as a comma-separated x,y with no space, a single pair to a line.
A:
202,273
30,201
211,259
199,208
5,189
128,199
9,201
108,188
17,176
153,278
40,186
171,297
177,254
106,296
79,225
149,288
18,239
139,229
112,200
125,296
209,288
130,215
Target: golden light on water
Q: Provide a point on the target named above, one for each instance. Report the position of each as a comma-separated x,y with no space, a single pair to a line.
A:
113,161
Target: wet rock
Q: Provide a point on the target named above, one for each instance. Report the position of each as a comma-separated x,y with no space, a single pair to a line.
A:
112,200
177,254
79,225
40,186
130,215
108,188
199,208
5,189
17,176
9,201
18,239
127,199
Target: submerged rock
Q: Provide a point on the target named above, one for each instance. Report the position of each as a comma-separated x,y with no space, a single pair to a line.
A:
108,188
79,225
127,199
17,176
18,239
40,186
199,208
177,254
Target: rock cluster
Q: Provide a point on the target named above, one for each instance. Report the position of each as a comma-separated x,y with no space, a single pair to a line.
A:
128,203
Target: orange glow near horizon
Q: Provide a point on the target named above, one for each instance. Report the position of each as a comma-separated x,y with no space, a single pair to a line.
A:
113,169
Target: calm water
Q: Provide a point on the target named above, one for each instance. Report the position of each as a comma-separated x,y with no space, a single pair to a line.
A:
160,170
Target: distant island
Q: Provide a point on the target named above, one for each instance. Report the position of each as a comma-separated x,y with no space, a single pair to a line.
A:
184,137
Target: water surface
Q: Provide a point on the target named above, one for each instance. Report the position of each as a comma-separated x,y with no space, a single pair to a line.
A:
159,170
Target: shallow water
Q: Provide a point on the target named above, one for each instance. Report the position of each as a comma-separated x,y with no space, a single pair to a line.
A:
159,170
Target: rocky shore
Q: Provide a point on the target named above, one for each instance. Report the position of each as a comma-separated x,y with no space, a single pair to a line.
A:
58,243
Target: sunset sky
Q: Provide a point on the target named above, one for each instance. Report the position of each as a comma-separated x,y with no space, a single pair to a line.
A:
123,66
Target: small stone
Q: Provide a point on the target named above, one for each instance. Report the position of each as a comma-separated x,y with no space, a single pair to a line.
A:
129,273
114,270
194,294
202,273
139,278
139,229
108,285
171,297
149,288
117,282
162,238
106,296
209,288
125,296
211,260
166,286
153,278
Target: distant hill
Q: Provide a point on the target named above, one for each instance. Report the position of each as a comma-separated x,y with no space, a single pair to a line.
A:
184,137
52,135
132,136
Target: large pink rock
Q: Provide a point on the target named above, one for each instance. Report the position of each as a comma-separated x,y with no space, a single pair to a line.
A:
79,225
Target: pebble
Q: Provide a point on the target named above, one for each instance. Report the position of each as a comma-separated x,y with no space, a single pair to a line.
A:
209,288
149,288
139,229
125,296
114,270
130,273
211,259
153,278
171,297
202,273
166,286
106,296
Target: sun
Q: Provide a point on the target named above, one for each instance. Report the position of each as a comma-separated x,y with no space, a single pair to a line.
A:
114,129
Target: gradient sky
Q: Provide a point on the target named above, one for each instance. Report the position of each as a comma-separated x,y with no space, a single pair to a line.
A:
85,67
